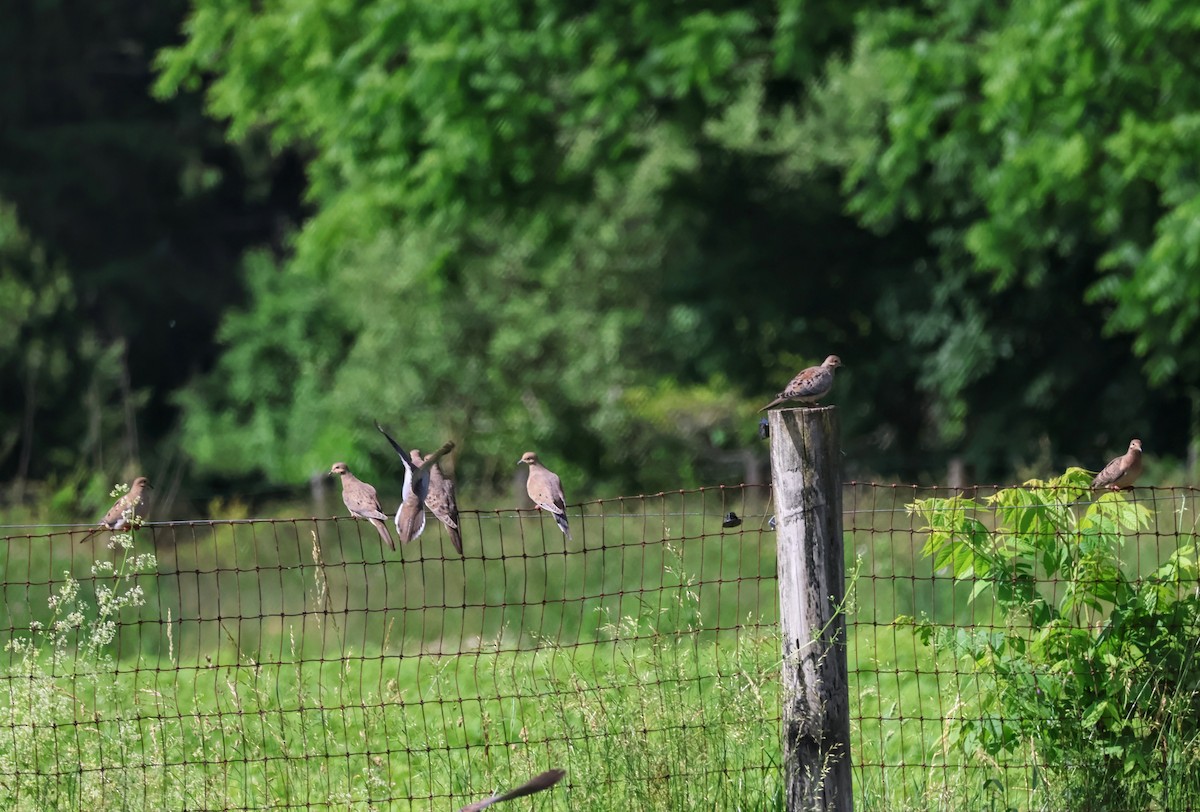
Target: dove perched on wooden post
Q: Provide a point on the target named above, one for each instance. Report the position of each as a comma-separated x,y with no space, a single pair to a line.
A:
545,489
1123,471
410,516
123,512
535,784
809,385
441,500
362,501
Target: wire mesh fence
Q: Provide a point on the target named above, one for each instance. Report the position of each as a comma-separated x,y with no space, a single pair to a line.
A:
294,663
297,664
1029,653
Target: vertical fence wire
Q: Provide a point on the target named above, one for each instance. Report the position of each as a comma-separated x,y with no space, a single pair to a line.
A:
297,664
914,700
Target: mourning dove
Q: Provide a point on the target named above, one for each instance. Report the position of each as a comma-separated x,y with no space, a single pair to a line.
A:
1122,471
545,489
810,385
410,516
440,499
535,784
361,501
121,515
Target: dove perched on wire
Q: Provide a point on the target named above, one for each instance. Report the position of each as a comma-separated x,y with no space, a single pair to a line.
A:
809,385
1123,471
545,489
121,516
535,784
441,501
410,516
362,501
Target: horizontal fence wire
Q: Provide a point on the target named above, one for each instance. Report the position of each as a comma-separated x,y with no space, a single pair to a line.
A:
924,710
299,664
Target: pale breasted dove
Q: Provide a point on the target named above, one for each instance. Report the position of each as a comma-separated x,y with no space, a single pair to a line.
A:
441,501
545,489
123,511
362,501
809,385
410,516
535,784
1122,471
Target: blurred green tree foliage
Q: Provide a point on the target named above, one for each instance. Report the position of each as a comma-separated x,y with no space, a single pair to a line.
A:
535,225
133,217
47,358
527,217
511,203
1049,150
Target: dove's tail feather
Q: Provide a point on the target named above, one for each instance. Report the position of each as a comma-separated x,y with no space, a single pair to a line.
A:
775,402
410,524
408,464
561,519
455,538
535,784
91,533
383,532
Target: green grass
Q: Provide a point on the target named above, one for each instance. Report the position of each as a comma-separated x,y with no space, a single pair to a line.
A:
298,665
295,664
632,723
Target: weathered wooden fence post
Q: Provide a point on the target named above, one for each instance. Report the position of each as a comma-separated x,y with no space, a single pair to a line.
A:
807,485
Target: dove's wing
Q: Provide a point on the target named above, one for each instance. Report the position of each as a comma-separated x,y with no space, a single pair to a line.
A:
545,489
442,502
404,457
361,499
431,459
1112,472
809,384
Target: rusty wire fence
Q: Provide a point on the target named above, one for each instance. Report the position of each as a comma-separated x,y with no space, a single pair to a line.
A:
297,664
1042,656
293,663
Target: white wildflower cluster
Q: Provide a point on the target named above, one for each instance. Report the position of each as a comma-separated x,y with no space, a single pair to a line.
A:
136,596
104,599
70,619
68,668
123,541
108,601
61,629
67,617
101,633
19,645
143,562
66,593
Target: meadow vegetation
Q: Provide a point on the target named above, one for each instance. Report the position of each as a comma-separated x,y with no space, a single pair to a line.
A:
292,664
